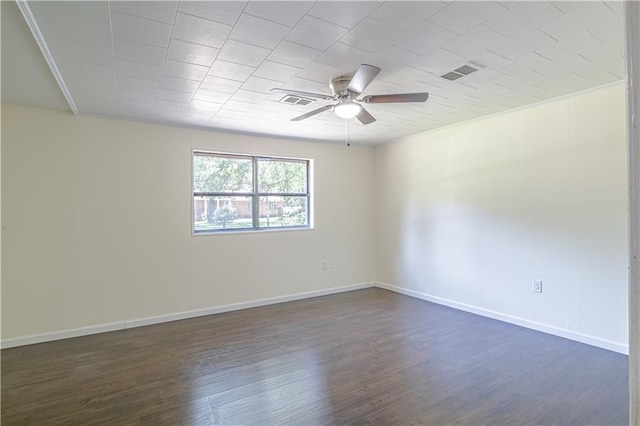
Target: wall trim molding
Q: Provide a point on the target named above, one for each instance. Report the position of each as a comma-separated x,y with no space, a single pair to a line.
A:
141,322
522,322
44,48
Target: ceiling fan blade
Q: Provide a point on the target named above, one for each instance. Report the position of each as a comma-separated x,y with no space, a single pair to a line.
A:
312,113
364,117
397,97
302,94
362,78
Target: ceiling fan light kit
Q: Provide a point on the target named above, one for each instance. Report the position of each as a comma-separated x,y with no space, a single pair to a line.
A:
347,109
346,90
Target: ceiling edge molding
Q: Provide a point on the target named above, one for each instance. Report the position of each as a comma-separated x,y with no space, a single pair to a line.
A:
37,34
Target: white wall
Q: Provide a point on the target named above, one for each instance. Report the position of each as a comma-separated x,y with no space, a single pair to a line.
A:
470,214
97,224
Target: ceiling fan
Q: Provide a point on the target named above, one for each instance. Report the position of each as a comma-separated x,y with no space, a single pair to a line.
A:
346,90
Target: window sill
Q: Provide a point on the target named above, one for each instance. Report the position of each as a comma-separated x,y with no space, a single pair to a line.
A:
250,231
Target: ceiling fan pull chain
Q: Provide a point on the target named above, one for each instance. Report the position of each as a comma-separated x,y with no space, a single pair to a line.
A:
347,131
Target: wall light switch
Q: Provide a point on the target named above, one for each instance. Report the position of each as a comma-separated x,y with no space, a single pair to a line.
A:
537,286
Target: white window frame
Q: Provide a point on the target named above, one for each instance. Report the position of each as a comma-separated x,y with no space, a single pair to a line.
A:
254,194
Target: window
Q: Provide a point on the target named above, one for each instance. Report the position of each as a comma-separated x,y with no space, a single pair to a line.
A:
242,192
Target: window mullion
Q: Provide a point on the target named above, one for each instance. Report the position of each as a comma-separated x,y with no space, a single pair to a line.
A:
256,196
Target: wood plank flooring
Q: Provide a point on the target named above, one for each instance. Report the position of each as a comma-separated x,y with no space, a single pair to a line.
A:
364,357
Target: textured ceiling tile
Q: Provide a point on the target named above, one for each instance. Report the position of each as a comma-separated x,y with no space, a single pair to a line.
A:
238,106
488,59
524,43
220,84
525,14
86,69
200,31
133,95
90,102
345,57
184,70
242,53
178,84
371,35
161,11
591,16
97,11
127,109
81,84
616,6
276,71
138,70
406,14
196,116
461,16
140,30
226,12
204,105
259,84
476,41
392,57
83,52
192,53
138,52
567,6
552,49
315,33
319,72
160,105
212,96
283,12
68,28
231,70
345,14
439,61
173,95
257,31
424,38
294,54
249,96
305,85
132,83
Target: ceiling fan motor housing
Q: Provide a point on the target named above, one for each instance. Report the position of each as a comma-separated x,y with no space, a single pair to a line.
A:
339,85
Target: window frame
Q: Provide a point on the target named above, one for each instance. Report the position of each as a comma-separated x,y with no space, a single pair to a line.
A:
254,195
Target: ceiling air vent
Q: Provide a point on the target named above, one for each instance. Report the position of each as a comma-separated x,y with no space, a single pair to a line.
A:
459,72
296,100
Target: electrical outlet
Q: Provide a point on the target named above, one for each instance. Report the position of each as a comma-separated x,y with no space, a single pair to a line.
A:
333,264
325,265
537,286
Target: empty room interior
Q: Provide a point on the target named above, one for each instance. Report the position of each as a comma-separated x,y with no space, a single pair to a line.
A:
317,212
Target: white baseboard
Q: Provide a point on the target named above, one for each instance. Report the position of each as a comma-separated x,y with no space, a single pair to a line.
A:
121,325
140,322
556,331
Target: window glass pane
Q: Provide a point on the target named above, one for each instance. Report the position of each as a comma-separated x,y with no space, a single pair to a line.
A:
222,174
283,211
281,176
217,213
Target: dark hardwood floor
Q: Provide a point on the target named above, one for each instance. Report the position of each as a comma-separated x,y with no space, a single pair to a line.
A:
363,357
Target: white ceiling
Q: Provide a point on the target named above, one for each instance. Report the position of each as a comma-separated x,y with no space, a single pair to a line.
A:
212,64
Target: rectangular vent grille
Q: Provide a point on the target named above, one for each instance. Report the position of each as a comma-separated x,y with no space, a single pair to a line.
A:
296,100
459,72
452,76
